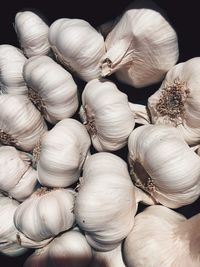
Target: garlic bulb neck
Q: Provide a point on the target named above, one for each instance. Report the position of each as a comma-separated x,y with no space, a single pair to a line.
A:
89,121
36,100
119,55
7,139
140,113
171,103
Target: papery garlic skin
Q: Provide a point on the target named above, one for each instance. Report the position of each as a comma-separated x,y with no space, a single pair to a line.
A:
8,241
106,114
12,61
162,237
177,101
45,214
68,249
105,223
111,258
78,46
163,165
53,86
21,124
32,33
141,47
17,178
63,152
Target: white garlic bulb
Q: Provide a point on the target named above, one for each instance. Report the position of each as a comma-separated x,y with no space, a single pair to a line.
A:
21,123
63,151
68,249
162,237
105,222
12,61
32,33
163,165
17,178
8,242
51,88
78,46
111,258
177,101
141,47
45,214
106,114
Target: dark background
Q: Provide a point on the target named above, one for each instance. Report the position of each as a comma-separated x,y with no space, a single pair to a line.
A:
184,17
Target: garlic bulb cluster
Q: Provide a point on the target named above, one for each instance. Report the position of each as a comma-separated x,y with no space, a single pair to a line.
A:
21,123
162,237
163,165
68,249
177,101
51,88
78,46
17,178
8,242
111,258
45,214
106,114
105,222
12,61
141,47
32,33
62,154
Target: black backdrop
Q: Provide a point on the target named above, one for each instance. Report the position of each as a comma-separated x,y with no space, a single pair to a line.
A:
184,17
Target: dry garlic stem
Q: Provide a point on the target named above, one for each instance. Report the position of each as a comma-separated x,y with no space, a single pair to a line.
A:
141,47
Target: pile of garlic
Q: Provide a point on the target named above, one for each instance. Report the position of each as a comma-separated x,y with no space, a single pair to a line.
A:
66,190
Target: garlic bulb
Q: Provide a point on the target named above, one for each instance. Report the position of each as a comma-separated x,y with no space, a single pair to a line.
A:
8,242
177,101
51,88
68,249
12,61
105,222
32,33
62,154
78,46
106,114
111,258
141,47
21,124
17,178
45,214
162,237
159,158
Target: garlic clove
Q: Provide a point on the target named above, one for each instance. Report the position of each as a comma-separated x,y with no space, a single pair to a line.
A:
139,54
68,249
106,114
95,209
8,242
21,124
78,46
158,159
12,61
51,88
32,33
63,152
37,221
162,237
